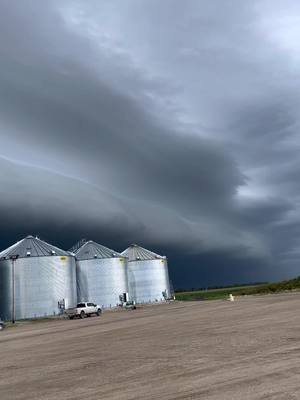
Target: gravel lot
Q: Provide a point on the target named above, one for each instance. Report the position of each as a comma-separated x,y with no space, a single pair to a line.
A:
249,349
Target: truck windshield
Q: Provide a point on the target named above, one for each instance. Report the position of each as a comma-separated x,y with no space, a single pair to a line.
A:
80,305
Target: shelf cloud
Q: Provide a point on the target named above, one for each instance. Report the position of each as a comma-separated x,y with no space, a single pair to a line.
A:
172,124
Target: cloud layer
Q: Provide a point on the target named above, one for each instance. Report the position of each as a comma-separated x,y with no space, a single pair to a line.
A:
168,123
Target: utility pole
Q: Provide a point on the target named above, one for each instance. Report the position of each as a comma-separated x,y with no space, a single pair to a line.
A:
13,288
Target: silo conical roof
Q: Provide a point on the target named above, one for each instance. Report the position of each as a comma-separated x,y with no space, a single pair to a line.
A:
138,253
33,247
91,250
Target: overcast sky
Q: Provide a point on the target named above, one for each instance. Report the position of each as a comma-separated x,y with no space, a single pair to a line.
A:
173,124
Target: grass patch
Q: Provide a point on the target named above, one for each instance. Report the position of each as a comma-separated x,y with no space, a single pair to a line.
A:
223,293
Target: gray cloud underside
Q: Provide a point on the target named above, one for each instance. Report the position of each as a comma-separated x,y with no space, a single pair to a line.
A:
176,120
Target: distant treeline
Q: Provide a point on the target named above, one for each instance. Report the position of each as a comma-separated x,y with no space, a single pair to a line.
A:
292,284
196,289
220,293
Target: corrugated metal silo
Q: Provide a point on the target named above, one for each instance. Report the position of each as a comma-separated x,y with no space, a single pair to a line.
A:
101,274
148,278
36,280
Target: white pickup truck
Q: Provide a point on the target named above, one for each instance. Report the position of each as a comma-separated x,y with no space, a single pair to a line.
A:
2,325
83,310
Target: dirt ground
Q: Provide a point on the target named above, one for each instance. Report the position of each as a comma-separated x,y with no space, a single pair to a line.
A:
249,349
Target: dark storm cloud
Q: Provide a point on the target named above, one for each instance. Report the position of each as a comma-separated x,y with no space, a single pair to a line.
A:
168,123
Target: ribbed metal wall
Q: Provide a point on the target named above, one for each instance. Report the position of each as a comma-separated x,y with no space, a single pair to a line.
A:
102,281
40,283
147,279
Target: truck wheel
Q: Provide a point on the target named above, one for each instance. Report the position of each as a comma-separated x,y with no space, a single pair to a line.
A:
82,314
71,317
98,312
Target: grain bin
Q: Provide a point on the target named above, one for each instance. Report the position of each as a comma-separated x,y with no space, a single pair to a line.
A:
148,278
36,280
101,274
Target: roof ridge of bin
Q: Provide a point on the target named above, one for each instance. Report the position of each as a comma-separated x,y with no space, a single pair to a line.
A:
32,246
138,253
91,250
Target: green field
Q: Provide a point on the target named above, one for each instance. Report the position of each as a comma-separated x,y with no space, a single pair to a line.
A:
223,293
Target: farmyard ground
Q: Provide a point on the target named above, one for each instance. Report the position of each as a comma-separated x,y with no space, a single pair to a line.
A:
249,349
